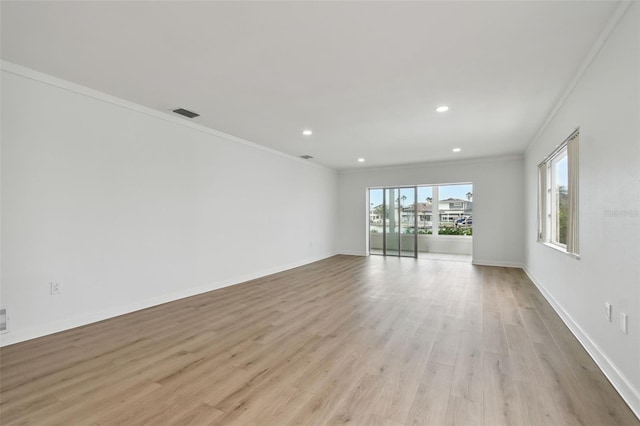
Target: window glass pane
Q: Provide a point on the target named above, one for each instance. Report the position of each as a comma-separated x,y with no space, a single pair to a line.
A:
455,207
425,209
561,198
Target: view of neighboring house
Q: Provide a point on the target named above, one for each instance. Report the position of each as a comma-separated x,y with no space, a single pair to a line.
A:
450,210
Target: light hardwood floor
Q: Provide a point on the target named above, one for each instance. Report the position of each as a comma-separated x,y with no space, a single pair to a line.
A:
371,341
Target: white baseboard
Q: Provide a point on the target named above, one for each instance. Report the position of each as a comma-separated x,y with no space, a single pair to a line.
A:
353,253
17,336
481,262
625,388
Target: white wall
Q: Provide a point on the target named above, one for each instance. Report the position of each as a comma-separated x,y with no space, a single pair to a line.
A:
127,207
605,104
498,204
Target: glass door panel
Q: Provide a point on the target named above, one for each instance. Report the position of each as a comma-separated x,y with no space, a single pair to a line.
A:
407,225
392,222
426,210
376,221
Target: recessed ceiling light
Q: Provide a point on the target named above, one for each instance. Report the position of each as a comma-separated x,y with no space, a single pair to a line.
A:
307,132
442,108
456,150
360,160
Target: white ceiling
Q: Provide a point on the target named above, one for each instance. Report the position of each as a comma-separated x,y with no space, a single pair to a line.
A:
364,76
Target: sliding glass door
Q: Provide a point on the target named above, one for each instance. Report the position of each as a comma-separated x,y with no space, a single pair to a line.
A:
393,221
416,221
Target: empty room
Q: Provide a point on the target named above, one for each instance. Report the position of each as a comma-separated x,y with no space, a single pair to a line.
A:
320,212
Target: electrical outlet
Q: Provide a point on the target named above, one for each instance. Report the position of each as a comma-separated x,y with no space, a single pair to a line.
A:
607,311
56,287
623,322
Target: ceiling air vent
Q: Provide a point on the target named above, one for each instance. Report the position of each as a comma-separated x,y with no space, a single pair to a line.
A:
186,113
306,157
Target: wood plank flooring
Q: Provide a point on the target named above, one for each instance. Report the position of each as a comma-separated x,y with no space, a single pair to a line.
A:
368,341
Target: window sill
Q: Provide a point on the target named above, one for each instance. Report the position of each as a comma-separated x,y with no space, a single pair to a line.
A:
561,250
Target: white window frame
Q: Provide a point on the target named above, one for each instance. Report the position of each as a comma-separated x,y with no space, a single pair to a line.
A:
548,211
553,211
